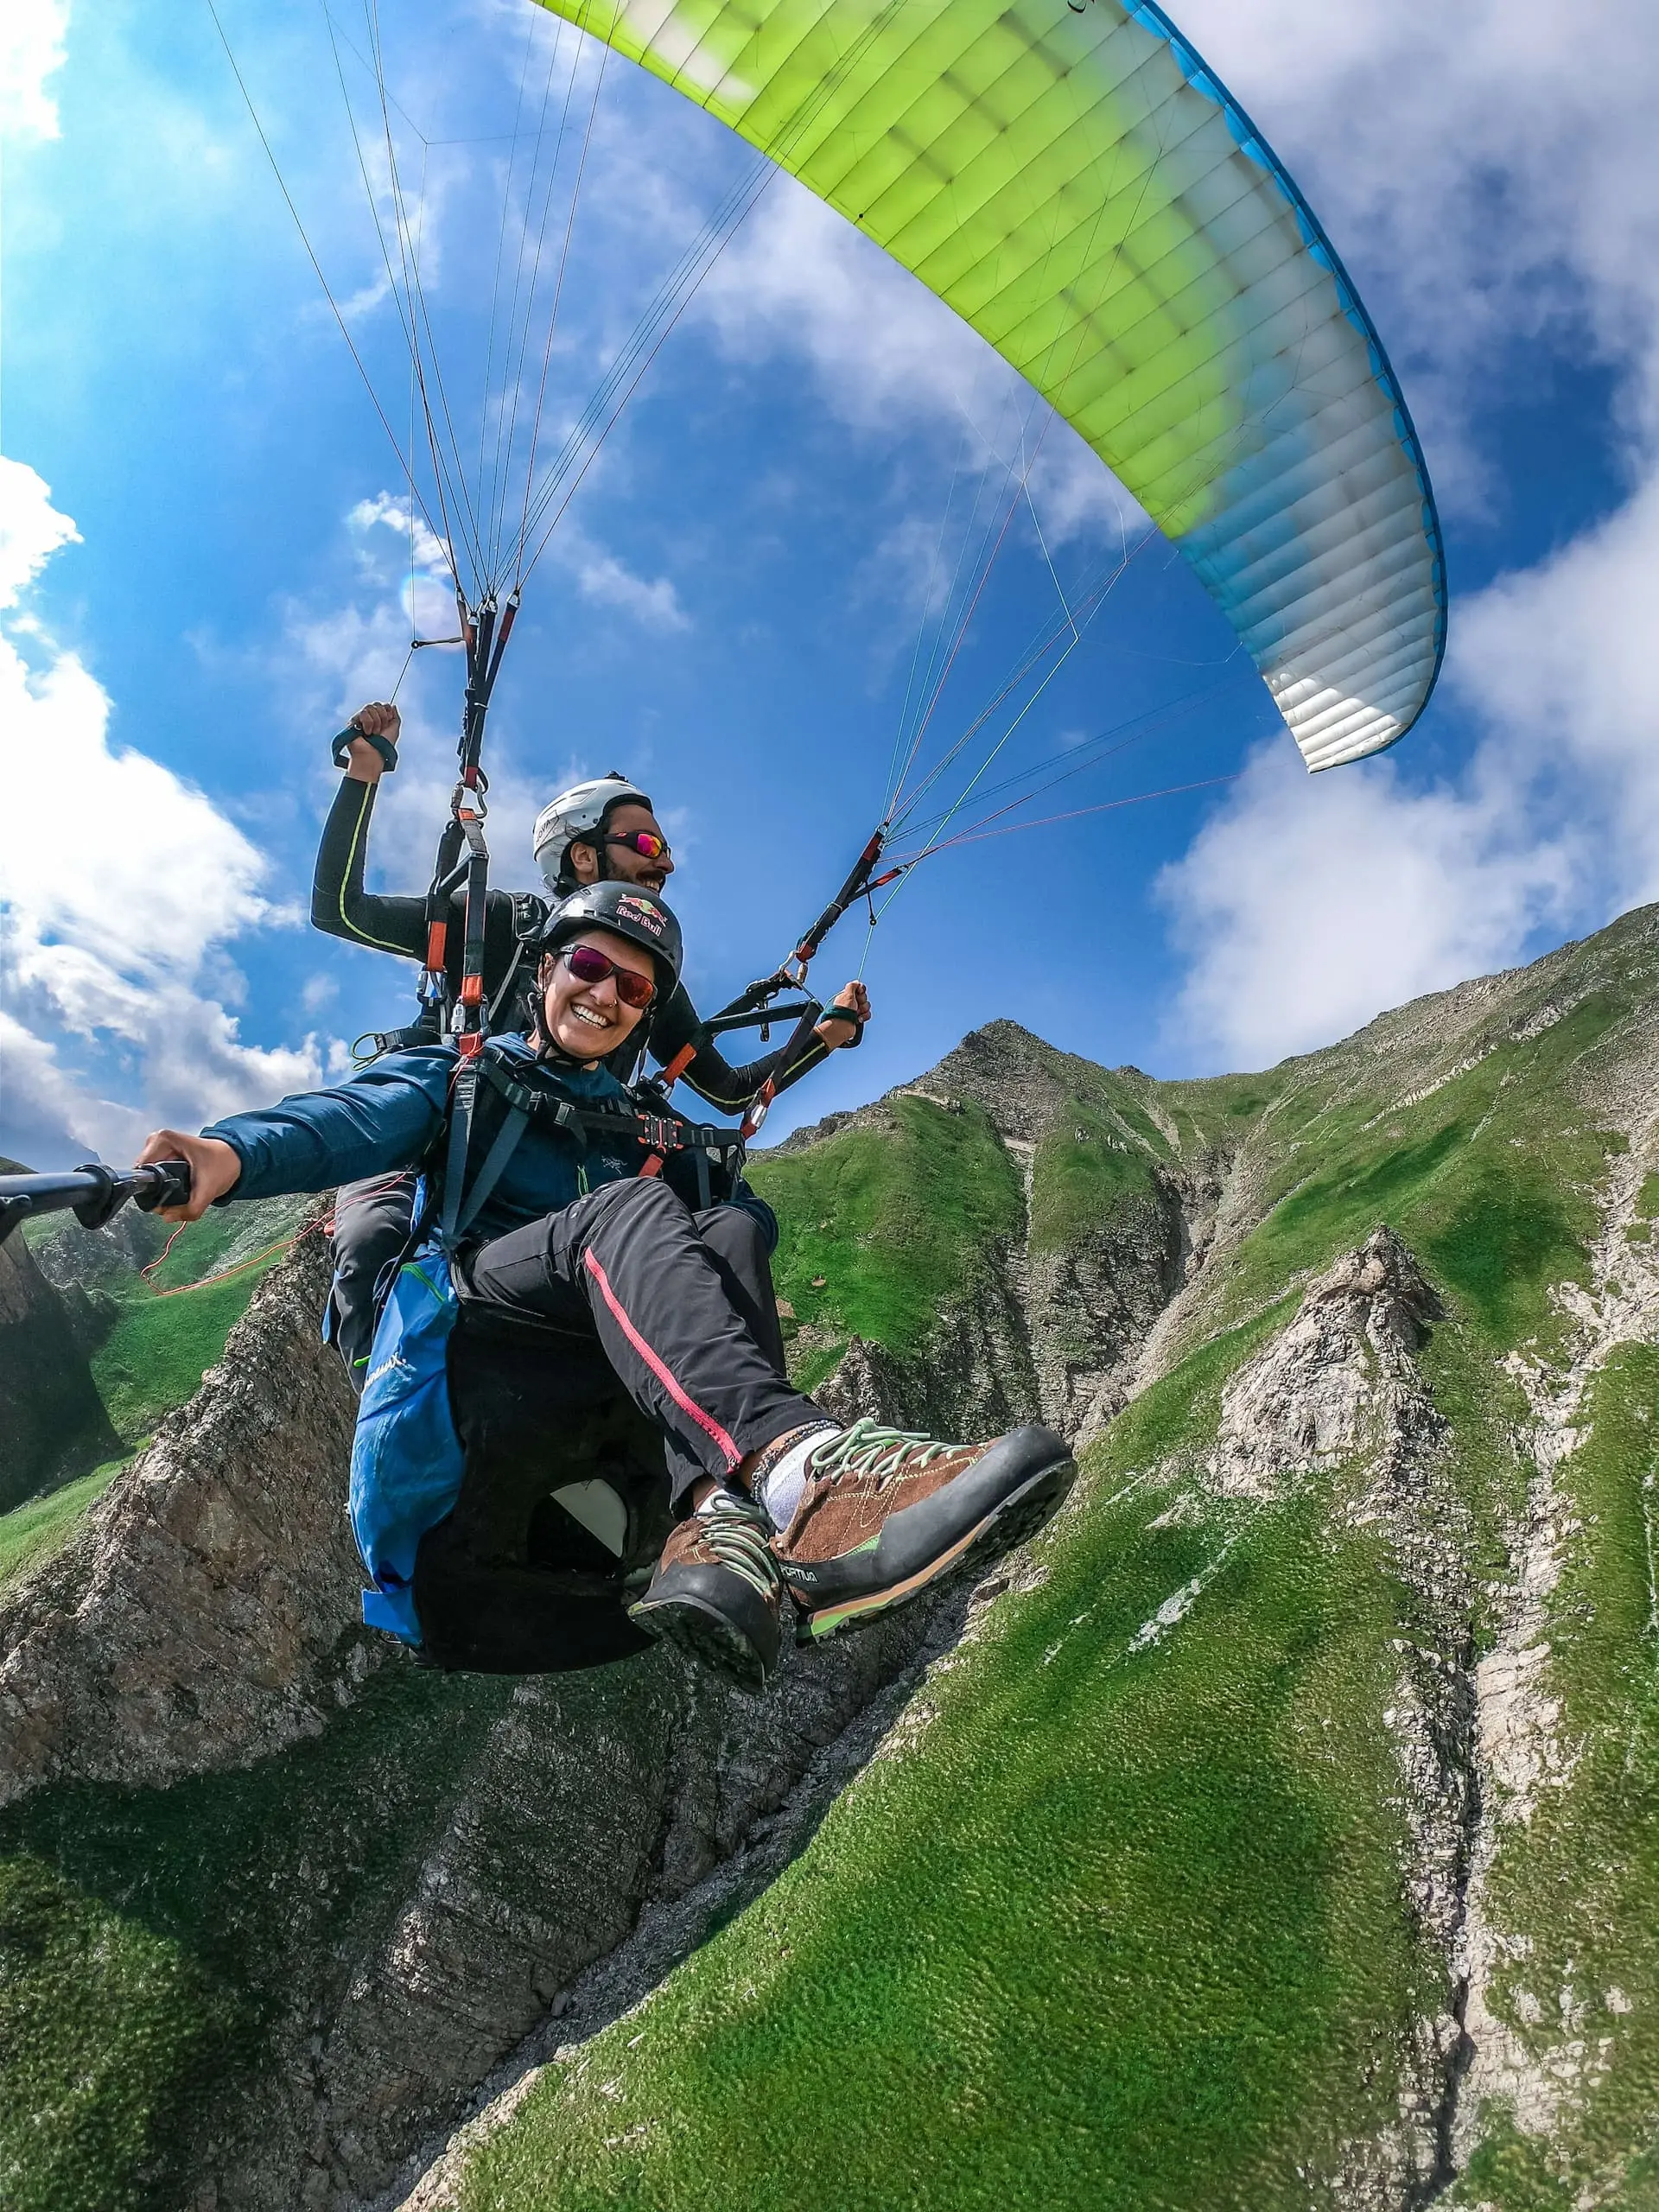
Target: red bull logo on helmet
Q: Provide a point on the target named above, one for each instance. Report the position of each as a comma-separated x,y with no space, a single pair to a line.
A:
648,917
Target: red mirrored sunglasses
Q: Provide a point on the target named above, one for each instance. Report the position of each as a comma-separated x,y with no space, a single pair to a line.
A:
643,841
589,965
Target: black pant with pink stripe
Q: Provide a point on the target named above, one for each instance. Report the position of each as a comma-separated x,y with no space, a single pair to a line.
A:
681,1304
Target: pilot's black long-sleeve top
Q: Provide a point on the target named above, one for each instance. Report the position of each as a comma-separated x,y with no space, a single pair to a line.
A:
341,907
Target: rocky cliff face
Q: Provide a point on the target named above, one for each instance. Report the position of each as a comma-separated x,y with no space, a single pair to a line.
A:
1280,1833
197,1619
52,1421
1115,1209
1092,1277
106,1258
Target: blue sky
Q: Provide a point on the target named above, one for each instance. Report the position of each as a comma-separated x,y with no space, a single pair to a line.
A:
203,569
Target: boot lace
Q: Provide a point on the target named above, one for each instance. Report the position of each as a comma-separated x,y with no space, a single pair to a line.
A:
738,1534
867,1448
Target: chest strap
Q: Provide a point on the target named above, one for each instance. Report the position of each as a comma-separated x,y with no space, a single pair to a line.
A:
662,1132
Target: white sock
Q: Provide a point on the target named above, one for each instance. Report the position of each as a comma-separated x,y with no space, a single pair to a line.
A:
779,1489
721,1494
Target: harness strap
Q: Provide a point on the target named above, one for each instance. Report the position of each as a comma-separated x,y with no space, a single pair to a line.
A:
659,1133
495,1163
462,1204
462,1098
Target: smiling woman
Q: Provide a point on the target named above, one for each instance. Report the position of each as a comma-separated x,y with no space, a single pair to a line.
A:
595,984
592,994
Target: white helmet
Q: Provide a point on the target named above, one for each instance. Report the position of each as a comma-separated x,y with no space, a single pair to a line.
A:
572,814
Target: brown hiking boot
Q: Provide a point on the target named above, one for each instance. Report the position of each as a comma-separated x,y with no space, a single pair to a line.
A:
887,1515
716,1591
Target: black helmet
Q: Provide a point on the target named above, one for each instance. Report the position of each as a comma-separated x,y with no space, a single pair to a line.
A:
627,910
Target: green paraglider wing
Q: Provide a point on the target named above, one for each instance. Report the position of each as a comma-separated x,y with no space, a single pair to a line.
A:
1070,178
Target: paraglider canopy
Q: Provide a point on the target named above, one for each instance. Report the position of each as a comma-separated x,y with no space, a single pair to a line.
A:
1070,177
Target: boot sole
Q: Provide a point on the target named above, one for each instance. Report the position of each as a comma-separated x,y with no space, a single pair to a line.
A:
1015,1520
703,1632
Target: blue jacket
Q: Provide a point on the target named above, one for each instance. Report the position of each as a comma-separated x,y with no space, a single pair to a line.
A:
388,1117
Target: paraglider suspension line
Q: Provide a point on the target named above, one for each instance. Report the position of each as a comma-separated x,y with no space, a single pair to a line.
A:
463,850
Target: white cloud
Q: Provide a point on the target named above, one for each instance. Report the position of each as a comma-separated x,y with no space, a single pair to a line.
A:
122,882
1488,173
1309,904
605,580
1559,659
135,871
32,36
425,550
31,529
798,278
53,1119
601,576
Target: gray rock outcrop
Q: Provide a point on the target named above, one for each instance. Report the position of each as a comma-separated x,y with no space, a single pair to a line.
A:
107,1257
202,1616
1341,1377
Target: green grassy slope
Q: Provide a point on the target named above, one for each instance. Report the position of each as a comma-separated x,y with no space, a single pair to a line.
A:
1122,1923
161,1345
882,1228
154,1942
1116,1929
32,1532
173,1325
1490,1179
1083,1170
